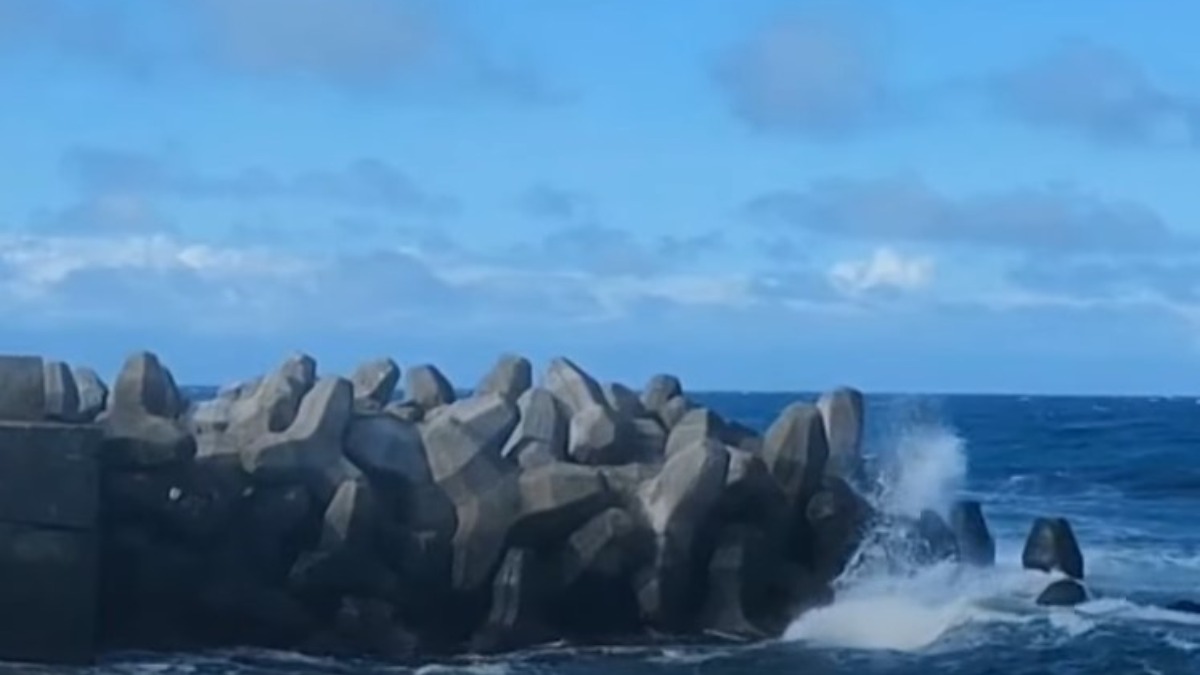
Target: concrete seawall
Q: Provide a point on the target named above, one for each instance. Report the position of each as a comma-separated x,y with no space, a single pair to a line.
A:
328,514
49,520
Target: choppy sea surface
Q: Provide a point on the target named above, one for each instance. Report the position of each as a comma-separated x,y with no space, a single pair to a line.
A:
1125,471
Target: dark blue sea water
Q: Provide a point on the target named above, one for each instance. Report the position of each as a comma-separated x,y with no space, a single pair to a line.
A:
1126,472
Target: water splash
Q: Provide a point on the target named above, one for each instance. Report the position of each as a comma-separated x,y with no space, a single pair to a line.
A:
888,598
925,467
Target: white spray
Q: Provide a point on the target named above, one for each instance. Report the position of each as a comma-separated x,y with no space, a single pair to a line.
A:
885,599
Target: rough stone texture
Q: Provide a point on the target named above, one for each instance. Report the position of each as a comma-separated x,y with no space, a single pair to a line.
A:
1051,545
489,418
795,450
510,378
484,522
146,386
695,425
608,545
134,440
328,520
459,461
48,589
311,448
518,593
975,544
274,524
597,436
836,516
141,429
325,574
22,388
936,541
742,437
368,627
388,451
350,519
556,499
623,400
573,387
737,583
842,414
93,393
238,611
49,474
62,394
647,439
406,411
751,494
427,387
272,405
659,390
1063,593
210,419
673,410
485,497
676,506
195,503
375,381
540,435
627,480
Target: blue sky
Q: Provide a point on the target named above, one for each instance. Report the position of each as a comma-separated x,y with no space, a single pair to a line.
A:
934,196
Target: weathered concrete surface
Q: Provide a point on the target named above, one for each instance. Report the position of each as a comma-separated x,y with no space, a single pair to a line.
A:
48,589
49,474
22,388
49,503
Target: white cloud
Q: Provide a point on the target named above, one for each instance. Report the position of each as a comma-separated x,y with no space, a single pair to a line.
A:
884,270
174,283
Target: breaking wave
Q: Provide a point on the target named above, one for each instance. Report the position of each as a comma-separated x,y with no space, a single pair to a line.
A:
887,599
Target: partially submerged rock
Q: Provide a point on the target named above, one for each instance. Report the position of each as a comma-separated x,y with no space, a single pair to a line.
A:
836,517
1051,546
975,544
1063,593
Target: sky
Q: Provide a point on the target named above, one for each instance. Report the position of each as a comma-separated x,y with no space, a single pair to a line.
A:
756,195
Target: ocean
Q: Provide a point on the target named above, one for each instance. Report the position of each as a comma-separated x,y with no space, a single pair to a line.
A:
1125,471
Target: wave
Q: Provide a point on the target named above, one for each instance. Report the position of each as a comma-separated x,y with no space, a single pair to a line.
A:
885,601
